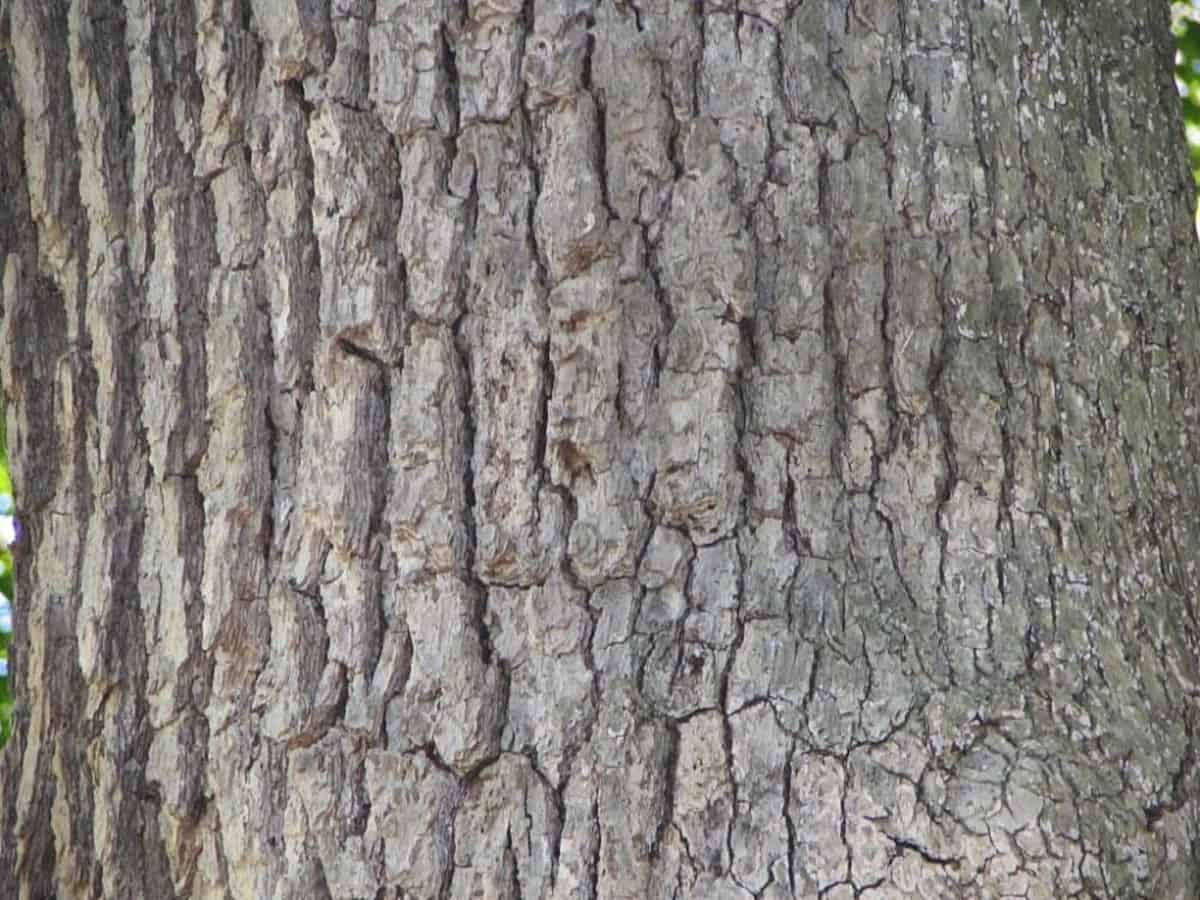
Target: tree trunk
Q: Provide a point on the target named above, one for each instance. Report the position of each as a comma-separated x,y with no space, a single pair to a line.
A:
583,449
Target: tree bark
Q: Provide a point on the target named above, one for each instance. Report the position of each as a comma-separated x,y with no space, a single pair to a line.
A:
599,449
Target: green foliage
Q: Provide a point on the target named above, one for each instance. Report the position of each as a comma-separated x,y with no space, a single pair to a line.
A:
5,703
1185,19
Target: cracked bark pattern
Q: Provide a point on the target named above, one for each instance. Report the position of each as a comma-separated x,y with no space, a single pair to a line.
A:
596,449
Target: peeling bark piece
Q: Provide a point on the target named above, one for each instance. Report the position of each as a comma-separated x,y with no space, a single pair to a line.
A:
511,815
355,206
454,701
411,820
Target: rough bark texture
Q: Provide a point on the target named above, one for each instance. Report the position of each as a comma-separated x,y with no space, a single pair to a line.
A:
596,449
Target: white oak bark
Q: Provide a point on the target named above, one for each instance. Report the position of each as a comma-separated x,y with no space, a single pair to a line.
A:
597,449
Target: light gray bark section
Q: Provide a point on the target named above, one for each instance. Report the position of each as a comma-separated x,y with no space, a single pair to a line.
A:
590,449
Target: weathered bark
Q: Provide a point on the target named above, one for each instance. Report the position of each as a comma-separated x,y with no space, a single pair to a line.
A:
593,449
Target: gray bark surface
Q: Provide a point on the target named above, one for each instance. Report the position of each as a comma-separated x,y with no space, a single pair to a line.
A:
588,449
